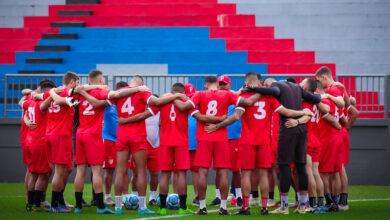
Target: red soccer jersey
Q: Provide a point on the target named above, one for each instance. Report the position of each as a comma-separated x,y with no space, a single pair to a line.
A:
129,106
91,119
325,128
215,103
335,91
312,124
35,137
174,126
24,128
256,121
60,118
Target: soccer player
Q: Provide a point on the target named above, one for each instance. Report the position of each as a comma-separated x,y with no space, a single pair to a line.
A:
255,149
89,143
330,157
59,139
213,102
131,139
291,142
38,165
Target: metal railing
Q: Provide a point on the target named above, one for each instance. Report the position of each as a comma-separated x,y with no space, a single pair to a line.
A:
371,91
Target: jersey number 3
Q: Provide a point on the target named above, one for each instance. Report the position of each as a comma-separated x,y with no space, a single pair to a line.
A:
260,110
126,107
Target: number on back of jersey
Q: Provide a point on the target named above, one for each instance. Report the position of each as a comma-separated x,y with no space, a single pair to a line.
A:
126,107
212,108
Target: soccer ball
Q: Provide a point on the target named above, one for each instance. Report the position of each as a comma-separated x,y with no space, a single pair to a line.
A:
173,201
158,200
131,202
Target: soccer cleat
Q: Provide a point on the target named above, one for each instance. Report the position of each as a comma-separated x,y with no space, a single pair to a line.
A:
243,212
270,202
224,212
85,204
29,207
60,209
163,211
276,205
109,202
201,212
254,202
216,202
153,202
323,209
264,211
45,204
104,211
230,197
295,205
185,212
77,211
233,202
239,202
301,209
118,211
40,209
316,210
280,211
68,205
343,207
146,212
195,201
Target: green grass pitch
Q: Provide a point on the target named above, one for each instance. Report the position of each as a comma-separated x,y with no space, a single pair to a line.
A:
12,203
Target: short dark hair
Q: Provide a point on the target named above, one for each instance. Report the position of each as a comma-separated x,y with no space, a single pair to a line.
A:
120,85
248,74
94,74
68,77
319,86
47,84
291,80
324,70
211,79
312,84
178,87
259,77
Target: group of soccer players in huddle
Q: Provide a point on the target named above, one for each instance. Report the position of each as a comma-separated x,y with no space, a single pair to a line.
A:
130,128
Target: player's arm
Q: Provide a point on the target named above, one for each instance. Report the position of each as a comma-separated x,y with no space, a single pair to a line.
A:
346,96
354,113
127,91
230,120
135,118
96,103
165,99
208,118
324,109
26,92
183,106
39,97
333,121
343,120
87,87
274,91
249,101
290,123
339,101
56,98
45,104
30,124
289,113
21,101
314,98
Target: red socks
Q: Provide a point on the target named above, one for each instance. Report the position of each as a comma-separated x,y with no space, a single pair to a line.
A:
264,201
245,202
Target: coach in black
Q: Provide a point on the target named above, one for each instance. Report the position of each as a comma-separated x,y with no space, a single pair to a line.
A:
291,141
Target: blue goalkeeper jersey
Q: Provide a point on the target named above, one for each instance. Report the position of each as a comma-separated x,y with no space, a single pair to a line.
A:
191,133
110,123
234,130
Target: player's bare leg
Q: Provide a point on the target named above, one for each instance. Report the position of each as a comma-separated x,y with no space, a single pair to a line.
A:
344,189
79,184
254,201
68,171
57,183
271,182
175,177
182,188
217,200
39,188
246,183
336,186
97,184
30,190
108,176
202,188
164,188
319,186
121,174
140,159
264,189
26,180
133,183
237,185
223,187
153,184
312,182
195,177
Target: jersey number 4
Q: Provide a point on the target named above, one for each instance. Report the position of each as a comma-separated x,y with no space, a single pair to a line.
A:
126,107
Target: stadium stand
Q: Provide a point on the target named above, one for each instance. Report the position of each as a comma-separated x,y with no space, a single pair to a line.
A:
189,36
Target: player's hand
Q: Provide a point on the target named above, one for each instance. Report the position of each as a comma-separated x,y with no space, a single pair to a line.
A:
324,96
32,125
308,113
291,123
79,89
182,96
339,84
143,89
58,89
210,128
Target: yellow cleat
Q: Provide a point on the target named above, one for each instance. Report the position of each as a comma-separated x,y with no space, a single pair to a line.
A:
280,211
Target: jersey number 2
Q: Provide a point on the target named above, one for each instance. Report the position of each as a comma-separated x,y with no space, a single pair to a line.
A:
87,111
